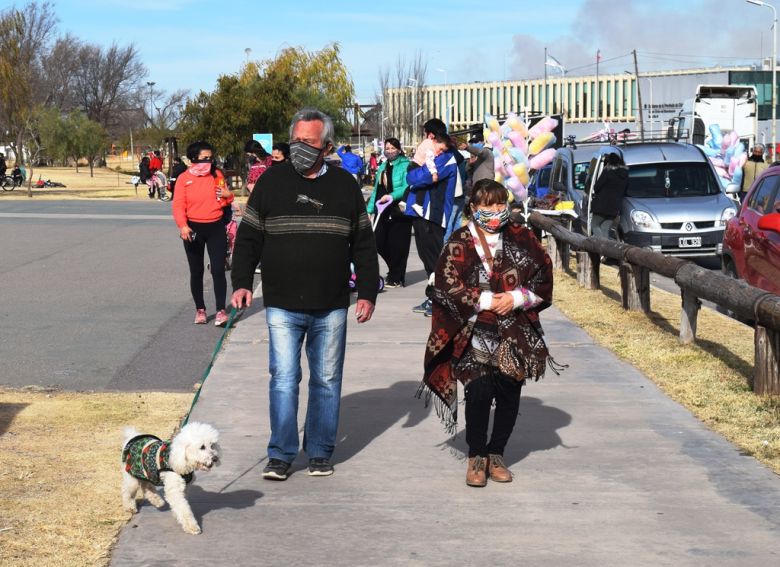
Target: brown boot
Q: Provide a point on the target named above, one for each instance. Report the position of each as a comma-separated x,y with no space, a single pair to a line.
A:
497,469
475,474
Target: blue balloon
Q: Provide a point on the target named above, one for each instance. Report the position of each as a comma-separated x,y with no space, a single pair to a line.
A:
737,177
717,135
739,150
709,152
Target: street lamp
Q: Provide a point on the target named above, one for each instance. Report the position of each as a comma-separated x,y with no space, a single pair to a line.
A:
150,84
650,114
414,108
446,100
774,70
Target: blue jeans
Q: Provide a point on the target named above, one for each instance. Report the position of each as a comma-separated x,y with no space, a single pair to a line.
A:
456,217
326,337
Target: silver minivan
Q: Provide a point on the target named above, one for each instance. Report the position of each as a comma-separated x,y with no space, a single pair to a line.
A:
674,203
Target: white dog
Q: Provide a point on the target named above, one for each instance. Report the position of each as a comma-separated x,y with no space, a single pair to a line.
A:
148,462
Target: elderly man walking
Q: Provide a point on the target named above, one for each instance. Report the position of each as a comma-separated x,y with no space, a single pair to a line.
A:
305,222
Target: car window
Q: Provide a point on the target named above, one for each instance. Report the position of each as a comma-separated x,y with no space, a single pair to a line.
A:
543,180
580,175
565,174
763,197
671,180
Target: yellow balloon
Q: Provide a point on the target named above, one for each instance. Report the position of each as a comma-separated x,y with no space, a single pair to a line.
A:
540,142
485,133
493,124
511,197
507,144
499,177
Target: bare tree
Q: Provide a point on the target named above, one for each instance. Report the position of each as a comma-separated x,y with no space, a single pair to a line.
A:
106,81
408,80
58,67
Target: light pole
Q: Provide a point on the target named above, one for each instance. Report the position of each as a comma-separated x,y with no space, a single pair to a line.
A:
414,108
247,51
774,70
150,84
446,100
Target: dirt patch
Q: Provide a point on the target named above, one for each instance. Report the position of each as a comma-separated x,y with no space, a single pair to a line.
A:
59,470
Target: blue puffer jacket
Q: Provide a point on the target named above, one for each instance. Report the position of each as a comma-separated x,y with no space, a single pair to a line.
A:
439,196
349,161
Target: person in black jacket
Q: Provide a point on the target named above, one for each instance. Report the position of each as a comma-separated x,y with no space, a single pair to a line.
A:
178,169
608,195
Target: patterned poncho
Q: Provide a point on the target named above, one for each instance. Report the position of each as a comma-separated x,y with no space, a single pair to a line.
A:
521,353
146,456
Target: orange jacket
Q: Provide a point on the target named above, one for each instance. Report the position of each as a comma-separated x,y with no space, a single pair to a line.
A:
195,198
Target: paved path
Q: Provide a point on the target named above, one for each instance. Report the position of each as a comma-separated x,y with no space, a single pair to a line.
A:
608,471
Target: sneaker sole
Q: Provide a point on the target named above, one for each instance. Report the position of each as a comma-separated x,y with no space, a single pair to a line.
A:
220,323
320,473
274,476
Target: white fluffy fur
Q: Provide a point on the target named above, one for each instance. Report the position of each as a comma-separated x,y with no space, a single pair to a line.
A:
195,448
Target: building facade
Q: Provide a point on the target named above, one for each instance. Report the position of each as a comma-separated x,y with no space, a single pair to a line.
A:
585,101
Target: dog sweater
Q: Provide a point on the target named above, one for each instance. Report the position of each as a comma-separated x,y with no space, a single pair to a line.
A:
146,456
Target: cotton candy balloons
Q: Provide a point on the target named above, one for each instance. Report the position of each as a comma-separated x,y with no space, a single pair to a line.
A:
545,125
541,142
521,172
518,141
542,159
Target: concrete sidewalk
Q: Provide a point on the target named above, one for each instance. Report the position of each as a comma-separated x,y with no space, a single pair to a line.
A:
608,470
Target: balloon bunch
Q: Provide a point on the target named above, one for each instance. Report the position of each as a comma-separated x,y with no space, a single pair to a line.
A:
518,150
726,153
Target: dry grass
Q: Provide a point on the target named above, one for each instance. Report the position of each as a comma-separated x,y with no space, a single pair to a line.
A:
106,183
709,378
59,471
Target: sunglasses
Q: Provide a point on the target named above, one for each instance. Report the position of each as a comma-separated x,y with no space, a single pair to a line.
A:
203,160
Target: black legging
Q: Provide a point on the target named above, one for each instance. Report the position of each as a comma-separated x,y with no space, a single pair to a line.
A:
209,235
393,238
480,394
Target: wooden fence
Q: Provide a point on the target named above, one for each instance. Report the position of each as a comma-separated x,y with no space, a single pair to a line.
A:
696,283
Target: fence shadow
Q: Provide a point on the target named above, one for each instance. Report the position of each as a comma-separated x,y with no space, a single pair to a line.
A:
8,411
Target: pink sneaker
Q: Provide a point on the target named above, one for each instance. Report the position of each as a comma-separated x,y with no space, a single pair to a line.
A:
200,317
221,319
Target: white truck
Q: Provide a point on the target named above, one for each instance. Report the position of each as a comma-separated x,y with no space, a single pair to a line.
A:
732,107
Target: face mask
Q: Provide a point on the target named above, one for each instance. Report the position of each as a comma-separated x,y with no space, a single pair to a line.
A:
304,157
201,169
489,221
391,155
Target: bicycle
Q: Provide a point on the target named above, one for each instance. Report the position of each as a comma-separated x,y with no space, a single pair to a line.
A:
7,182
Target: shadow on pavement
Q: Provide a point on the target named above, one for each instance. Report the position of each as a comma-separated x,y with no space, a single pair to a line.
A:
366,415
203,502
414,277
536,430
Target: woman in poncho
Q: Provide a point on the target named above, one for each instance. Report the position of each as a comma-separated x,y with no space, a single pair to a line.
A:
492,280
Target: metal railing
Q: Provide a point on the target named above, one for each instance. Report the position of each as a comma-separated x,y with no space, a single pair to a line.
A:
696,283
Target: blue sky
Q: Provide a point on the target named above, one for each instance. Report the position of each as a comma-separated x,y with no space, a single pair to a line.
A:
189,43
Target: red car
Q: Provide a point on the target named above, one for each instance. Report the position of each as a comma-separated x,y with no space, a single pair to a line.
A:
751,242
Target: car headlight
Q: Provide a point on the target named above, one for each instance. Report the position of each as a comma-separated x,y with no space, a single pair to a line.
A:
642,219
727,215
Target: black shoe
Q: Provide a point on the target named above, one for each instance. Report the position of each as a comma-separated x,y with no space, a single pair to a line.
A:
393,284
276,469
320,467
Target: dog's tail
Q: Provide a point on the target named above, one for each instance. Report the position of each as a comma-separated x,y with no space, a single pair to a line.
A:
128,433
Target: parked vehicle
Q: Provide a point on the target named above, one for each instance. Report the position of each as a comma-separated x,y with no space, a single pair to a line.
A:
539,185
731,107
569,174
674,203
751,243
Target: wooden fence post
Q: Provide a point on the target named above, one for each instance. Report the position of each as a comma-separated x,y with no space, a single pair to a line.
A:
689,317
635,287
555,251
588,265
766,379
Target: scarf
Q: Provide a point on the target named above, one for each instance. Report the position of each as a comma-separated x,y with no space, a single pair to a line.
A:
521,352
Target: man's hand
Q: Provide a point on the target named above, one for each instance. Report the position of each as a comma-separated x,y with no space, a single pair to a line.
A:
186,233
241,297
502,304
363,310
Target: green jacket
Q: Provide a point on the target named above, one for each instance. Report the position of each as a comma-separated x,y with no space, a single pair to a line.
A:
400,165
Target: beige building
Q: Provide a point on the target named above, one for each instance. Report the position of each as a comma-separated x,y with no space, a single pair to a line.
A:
575,97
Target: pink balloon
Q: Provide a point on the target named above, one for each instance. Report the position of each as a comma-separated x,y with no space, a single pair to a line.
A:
717,162
495,140
543,158
721,172
546,124
520,194
742,160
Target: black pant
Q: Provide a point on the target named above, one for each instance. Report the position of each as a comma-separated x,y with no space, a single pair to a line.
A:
209,235
429,238
480,394
393,238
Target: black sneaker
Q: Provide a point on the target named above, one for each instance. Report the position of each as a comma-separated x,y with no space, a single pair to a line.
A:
393,284
320,467
276,469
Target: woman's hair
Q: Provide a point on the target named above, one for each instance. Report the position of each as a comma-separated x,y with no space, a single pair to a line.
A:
256,148
283,147
194,149
395,143
310,114
613,161
486,192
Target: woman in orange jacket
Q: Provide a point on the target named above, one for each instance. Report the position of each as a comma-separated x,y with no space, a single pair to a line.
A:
201,195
